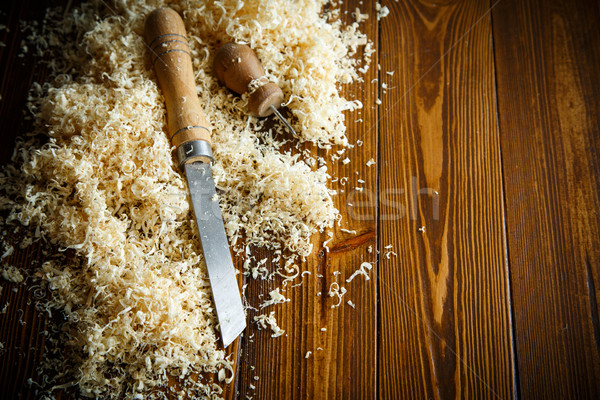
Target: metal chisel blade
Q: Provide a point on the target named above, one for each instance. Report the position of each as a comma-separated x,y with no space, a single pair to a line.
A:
221,272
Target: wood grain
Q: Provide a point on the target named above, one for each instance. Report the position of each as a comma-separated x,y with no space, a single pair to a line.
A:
21,327
17,73
506,184
345,368
445,320
172,62
547,59
20,331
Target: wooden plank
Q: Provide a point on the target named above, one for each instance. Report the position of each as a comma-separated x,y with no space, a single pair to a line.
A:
547,57
20,332
17,72
445,310
345,368
21,325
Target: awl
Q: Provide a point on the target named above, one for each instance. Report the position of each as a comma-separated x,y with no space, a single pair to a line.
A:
189,132
238,68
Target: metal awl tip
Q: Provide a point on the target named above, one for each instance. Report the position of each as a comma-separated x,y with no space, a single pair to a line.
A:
286,123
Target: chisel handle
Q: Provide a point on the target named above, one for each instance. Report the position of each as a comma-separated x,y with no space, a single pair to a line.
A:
236,66
165,35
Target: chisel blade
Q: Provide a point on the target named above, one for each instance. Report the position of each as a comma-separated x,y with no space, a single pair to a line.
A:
221,272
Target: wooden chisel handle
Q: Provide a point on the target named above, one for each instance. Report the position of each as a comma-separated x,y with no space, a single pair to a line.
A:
165,35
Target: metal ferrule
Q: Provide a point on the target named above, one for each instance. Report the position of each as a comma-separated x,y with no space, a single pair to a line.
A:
194,150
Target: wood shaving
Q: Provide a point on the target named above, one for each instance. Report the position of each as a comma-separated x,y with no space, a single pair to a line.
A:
362,270
336,290
358,16
136,298
263,321
12,274
382,11
276,298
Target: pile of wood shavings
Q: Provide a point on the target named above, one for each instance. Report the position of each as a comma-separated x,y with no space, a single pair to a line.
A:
136,299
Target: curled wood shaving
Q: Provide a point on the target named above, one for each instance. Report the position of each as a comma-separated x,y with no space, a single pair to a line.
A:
102,184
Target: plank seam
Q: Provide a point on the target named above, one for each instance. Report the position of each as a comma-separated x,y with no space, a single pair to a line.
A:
593,302
377,224
511,311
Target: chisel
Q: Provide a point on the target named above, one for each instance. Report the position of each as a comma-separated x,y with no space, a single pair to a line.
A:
189,132
237,66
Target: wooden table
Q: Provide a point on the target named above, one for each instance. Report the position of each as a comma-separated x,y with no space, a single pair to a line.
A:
487,186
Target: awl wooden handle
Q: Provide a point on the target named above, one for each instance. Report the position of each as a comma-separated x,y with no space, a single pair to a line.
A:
166,37
236,66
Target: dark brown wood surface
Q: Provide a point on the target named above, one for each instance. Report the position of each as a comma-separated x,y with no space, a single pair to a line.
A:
445,317
487,144
547,62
